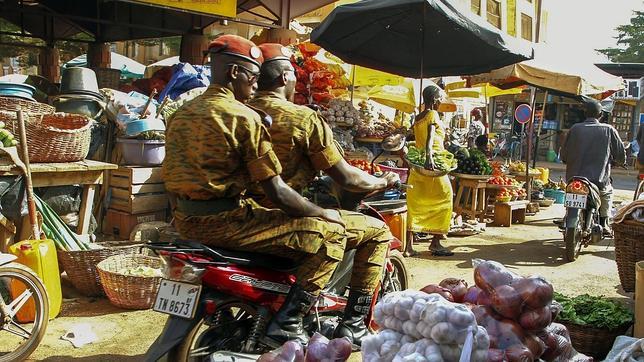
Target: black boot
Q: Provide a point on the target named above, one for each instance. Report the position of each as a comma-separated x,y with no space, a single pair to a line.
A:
287,325
353,325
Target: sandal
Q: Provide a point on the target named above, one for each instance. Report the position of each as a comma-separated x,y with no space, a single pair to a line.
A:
442,252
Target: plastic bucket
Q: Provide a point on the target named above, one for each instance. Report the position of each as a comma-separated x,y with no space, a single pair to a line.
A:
559,196
549,193
142,152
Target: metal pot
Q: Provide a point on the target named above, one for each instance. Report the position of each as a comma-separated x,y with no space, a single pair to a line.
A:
77,80
79,104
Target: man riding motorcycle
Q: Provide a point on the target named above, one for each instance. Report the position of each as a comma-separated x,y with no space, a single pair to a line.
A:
304,145
216,147
588,151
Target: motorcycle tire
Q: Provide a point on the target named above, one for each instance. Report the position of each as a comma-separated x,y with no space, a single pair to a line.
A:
41,302
182,351
572,239
400,269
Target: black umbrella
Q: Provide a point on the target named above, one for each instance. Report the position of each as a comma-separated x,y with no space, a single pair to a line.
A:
389,35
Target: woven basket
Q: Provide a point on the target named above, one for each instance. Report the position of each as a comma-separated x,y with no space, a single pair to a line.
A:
81,266
629,249
55,137
16,104
126,291
594,342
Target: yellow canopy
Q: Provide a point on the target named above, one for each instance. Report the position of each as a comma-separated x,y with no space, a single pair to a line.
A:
483,91
553,71
364,77
400,97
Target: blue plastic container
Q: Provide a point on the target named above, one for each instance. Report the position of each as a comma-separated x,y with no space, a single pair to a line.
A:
549,193
559,196
391,195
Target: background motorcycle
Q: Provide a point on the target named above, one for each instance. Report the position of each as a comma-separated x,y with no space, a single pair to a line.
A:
581,224
18,287
234,294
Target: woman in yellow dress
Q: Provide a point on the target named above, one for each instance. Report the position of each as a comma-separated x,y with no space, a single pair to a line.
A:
429,201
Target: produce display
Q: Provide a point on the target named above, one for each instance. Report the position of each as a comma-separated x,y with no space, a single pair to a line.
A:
504,195
317,82
141,271
595,312
472,162
319,349
341,113
498,168
6,138
424,327
517,313
520,167
365,166
503,181
443,160
373,126
561,185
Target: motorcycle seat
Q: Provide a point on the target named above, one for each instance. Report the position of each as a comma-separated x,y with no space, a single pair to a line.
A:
242,258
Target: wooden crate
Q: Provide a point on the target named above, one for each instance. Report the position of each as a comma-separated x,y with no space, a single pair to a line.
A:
141,203
137,190
127,176
120,224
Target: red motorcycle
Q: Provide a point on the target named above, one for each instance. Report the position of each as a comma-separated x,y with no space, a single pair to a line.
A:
222,300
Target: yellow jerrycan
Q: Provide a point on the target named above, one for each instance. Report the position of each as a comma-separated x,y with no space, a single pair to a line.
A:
40,256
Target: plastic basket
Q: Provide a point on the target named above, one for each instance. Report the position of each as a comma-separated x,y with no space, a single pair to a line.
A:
403,173
142,152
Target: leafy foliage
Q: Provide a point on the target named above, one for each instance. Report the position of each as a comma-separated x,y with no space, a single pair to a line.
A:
597,312
631,39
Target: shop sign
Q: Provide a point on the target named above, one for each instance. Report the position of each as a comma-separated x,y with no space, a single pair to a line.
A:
213,7
522,113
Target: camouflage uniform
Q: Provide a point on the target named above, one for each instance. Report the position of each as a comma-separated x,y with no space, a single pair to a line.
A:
215,148
304,145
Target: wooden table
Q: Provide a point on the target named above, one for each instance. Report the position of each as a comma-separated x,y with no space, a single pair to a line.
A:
507,213
87,173
471,198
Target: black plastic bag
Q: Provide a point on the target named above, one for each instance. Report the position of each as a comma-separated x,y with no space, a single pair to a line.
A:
13,198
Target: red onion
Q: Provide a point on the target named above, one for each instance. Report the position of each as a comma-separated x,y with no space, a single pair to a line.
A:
458,288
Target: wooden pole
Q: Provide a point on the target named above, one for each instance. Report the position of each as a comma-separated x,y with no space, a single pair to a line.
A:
31,204
533,93
543,119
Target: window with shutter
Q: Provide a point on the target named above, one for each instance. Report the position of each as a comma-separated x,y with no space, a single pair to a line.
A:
526,27
494,13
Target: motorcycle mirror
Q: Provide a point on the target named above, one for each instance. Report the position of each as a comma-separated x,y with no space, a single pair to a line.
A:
393,142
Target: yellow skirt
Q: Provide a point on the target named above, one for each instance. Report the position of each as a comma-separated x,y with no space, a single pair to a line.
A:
429,203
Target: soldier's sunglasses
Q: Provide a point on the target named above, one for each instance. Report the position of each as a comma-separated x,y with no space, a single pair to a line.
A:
252,76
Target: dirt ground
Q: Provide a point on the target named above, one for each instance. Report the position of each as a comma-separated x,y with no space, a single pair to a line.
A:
533,248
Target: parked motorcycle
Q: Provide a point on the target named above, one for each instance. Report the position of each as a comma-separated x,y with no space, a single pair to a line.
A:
20,289
581,224
221,300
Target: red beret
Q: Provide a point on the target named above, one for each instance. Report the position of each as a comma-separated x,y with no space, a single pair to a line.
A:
274,51
237,46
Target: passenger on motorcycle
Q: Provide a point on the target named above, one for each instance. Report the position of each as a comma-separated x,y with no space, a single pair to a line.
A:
588,151
304,146
216,148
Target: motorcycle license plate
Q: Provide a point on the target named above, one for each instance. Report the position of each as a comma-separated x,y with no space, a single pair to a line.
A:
576,201
177,298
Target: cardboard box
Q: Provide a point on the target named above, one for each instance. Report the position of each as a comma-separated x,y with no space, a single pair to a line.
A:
638,330
120,224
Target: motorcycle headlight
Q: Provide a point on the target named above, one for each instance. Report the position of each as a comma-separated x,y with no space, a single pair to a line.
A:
577,187
175,268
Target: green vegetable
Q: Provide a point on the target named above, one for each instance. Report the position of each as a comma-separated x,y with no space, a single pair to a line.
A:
597,312
443,160
56,230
